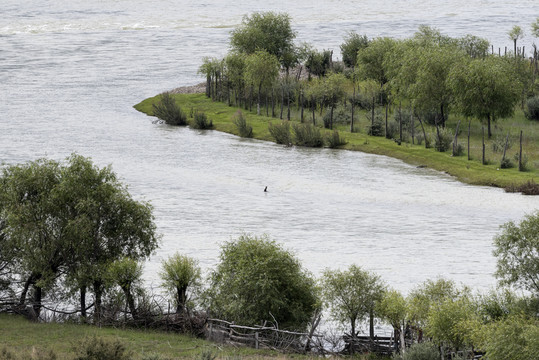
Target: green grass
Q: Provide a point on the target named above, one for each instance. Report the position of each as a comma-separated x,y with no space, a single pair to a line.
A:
23,337
471,172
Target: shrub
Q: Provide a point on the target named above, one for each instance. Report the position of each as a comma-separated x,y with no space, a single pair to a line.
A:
420,351
498,144
459,151
101,349
524,161
245,130
532,108
257,280
376,128
200,121
443,141
334,139
506,163
36,354
168,111
281,132
308,135
340,116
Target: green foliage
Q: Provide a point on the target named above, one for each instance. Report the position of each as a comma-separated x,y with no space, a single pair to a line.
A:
351,294
207,354
486,89
353,42
420,351
428,295
515,338
443,139
516,250
474,46
449,322
307,135
376,127
281,133
95,348
245,130
154,356
318,62
266,31
180,273
498,143
169,111
72,219
393,308
532,108
334,139
261,71
257,280
535,28
127,273
371,59
200,121
506,163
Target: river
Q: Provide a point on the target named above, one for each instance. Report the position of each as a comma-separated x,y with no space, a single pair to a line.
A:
70,72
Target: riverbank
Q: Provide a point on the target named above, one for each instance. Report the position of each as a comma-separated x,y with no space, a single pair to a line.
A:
467,171
25,339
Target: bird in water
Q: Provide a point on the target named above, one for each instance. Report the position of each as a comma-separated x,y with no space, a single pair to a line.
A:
266,189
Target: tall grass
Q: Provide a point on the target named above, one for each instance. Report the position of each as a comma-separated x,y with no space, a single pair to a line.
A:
281,133
245,130
307,135
169,111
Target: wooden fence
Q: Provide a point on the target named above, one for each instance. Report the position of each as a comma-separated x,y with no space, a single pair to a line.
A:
260,336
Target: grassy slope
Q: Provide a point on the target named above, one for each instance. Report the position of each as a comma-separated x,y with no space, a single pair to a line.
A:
471,172
22,337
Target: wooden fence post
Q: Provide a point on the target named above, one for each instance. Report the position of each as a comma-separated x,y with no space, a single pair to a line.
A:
520,168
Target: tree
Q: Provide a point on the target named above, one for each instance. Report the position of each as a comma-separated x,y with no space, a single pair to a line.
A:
517,252
485,89
394,309
474,46
353,43
267,31
126,273
352,295
235,73
261,71
334,92
515,34
257,281
180,273
370,60
515,338
72,219
318,62
427,295
535,28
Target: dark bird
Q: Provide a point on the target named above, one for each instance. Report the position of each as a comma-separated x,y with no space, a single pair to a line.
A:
266,189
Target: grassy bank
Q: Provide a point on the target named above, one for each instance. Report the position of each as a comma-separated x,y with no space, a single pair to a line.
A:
24,338
468,171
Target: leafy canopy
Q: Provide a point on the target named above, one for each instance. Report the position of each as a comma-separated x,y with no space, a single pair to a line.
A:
517,252
267,31
257,281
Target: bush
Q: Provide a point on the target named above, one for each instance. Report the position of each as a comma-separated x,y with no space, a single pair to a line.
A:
376,128
532,108
443,142
257,280
340,116
506,163
524,161
168,111
245,130
498,144
101,349
36,354
308,135
281,133
459,151
334,139
421,351
200,121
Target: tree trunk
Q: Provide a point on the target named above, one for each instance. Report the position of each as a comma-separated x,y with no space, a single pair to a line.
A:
455,142
372,113
312,107
403,343
282,102
387,108
38,295
288,105
520,167
29,281
258,104
353,104
302,106
505,147
83,302
371,324
272,103
488,123
469,125
424,133
483,157
331,117
98,293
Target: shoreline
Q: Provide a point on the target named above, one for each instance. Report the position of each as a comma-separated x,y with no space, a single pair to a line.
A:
469,172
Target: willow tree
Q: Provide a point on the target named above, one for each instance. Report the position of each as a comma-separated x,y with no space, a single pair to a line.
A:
334,92
515,34
71,220
180,274
261,71
485,89
268,31
353,43
352,295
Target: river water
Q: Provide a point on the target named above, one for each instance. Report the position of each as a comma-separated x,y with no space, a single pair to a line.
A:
70,72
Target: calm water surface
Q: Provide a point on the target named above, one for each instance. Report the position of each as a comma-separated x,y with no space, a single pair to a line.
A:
70,72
